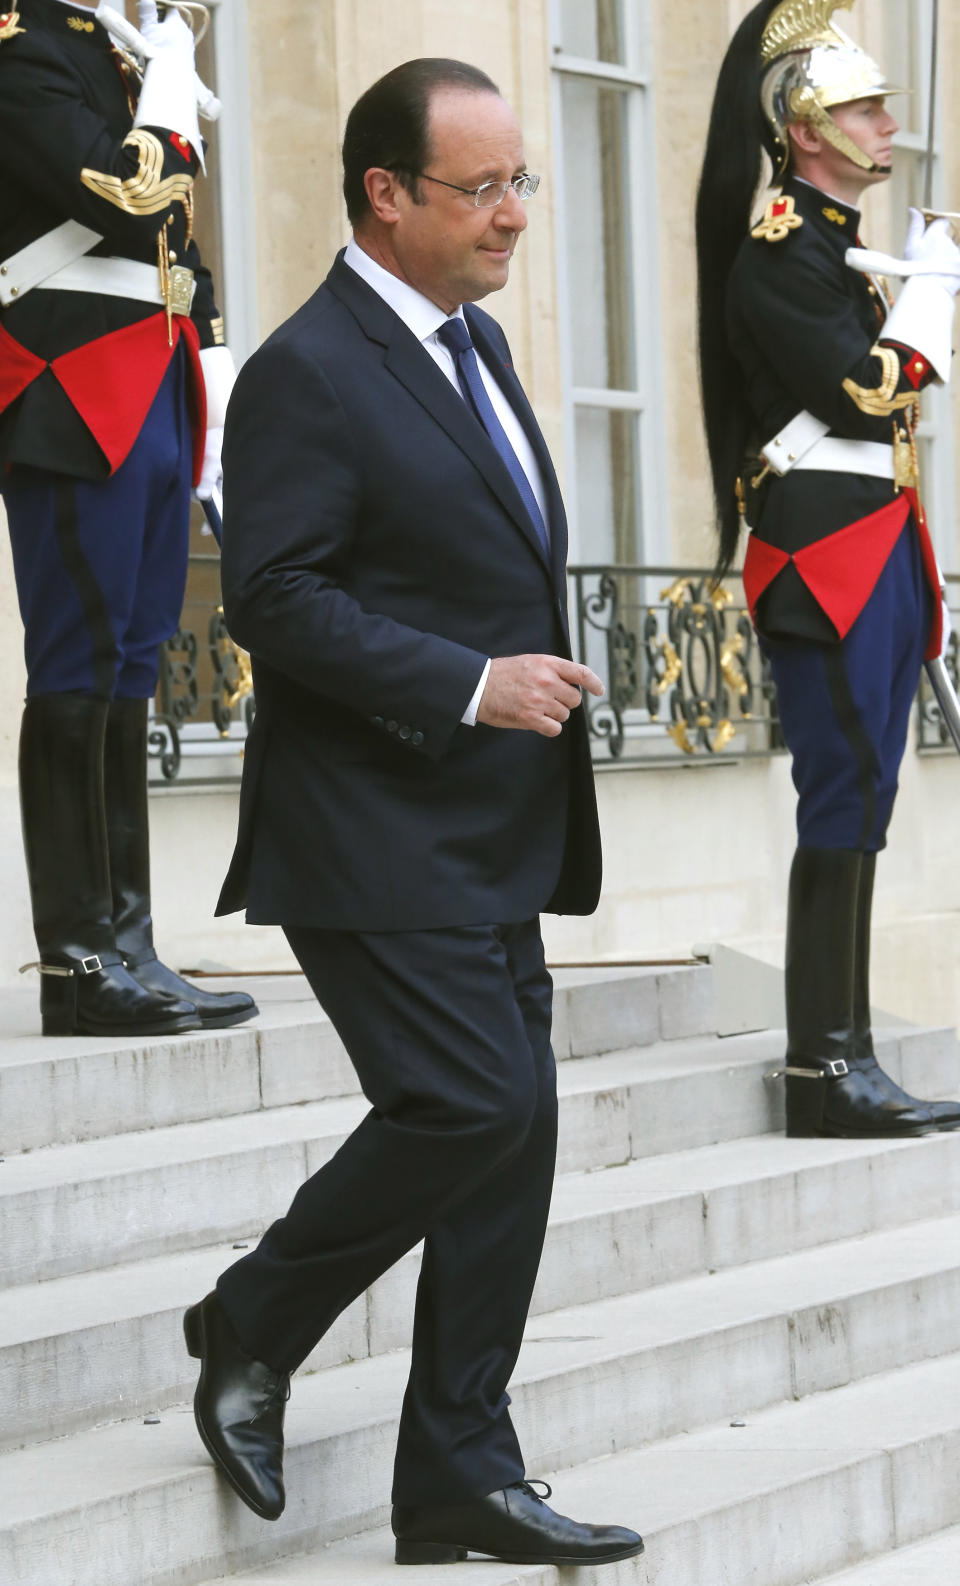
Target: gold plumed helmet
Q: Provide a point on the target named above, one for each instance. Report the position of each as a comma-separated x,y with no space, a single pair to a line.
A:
812,65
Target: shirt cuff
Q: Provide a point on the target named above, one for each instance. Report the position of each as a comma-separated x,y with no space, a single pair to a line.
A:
469,717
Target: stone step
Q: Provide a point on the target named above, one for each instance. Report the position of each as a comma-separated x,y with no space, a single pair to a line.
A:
69,1208
133,1502
800,1490
933,1562
81,1349
54,1092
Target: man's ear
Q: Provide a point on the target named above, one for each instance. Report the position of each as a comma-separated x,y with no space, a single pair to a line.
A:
805,137
381,190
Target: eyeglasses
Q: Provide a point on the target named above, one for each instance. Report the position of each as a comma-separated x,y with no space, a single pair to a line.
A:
489,194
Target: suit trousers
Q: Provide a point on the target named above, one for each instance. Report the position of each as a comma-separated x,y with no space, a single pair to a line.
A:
449,1032
845,708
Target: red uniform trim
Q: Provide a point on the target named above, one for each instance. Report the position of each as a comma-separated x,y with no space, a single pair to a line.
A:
915,366
935,640
18,368
113,380
196,395
761,565
842,569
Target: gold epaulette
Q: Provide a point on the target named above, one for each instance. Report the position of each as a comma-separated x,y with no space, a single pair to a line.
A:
8,25
779,219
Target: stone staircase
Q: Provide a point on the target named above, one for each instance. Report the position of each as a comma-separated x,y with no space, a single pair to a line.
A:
746,1347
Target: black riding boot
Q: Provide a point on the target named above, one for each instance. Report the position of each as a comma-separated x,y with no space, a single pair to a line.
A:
945,1114
128,834
829,1092
84,989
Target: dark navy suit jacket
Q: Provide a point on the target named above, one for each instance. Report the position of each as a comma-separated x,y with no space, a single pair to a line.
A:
376,552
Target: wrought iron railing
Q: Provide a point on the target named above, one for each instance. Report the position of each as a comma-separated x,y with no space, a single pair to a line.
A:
932,735
204,704
684,675
686,680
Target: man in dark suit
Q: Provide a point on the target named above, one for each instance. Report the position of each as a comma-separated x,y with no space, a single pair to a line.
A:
417,788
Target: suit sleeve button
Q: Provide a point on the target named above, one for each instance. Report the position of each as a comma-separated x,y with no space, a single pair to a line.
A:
417,739
404,732
391,726
378,721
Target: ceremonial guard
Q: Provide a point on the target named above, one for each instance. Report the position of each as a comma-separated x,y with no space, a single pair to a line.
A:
810,392
113,386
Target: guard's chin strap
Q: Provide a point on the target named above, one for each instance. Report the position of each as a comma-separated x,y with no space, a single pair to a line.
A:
806,107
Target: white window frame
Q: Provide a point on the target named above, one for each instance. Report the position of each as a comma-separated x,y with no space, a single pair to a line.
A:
646,400
238,289
936,426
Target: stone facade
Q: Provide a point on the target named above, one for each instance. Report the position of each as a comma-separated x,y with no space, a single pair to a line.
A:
693,853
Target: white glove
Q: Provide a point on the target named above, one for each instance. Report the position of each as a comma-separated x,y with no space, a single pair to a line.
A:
168,97
128,38
212,471
219,374
922,317
933,245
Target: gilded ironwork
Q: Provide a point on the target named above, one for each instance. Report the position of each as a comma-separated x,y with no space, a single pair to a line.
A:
686,680
685,676
233,671
205,694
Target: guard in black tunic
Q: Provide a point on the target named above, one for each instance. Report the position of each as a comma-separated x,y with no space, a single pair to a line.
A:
810,390
113,385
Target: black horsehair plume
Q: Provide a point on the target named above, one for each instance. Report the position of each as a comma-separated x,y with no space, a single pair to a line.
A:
729,178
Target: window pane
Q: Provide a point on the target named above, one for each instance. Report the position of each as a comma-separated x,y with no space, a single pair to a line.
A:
906,187
594,30
903,32
599,255
203,578
206,189
608,485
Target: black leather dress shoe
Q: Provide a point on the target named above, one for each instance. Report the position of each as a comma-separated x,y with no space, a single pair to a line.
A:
239,1407
216,1010
514,1525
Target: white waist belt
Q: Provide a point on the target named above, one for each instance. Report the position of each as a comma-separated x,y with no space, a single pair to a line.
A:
836,456
804,443
22,271
108,278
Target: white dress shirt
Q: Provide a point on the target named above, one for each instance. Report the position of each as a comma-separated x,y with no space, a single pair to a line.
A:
424,319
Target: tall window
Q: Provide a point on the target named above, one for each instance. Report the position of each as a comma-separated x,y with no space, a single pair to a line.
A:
606,218
224,221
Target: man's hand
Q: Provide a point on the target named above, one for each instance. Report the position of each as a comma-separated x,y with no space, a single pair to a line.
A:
168,33
535,693
932,245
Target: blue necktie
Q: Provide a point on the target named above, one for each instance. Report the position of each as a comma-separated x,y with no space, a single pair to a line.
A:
456,338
